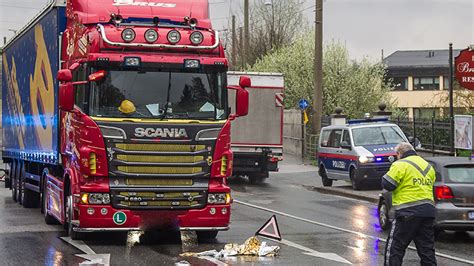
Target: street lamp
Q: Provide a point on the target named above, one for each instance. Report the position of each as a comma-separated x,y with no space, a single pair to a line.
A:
270,3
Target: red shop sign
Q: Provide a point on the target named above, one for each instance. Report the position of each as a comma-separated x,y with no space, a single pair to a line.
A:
464,68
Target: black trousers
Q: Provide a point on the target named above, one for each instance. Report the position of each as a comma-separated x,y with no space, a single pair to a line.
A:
405,229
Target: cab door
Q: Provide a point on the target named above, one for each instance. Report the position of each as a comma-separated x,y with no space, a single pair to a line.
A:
335,162
347,154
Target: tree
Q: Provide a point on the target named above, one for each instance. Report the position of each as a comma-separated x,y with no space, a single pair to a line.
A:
273,24
463,100
357,87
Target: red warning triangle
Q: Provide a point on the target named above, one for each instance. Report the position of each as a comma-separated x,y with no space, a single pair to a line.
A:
270,229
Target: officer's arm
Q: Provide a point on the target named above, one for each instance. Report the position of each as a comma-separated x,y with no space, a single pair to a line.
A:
391,179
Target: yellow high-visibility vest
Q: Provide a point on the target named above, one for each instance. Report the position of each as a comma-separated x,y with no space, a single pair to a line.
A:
414,178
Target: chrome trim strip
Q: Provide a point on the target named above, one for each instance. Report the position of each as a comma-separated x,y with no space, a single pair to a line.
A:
101,29
203,228
119,229
124,135
198,138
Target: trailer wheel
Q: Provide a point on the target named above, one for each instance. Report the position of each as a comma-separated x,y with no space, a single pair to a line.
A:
206,235
8,176
31,199
69,211
19,182
14,181
48,219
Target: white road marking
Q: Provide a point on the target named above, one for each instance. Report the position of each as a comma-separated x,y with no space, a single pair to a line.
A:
314,253
91,256
79,245
343,229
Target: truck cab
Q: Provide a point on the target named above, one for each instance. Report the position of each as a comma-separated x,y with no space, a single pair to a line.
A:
360,152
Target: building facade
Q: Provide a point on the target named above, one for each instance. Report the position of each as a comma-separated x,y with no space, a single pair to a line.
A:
421,82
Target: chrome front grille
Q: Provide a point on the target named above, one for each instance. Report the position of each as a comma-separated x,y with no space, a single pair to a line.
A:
160,200
159,175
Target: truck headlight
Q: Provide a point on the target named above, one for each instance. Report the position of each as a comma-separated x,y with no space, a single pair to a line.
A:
128,35
218,198
196,38
151,35
95,198
174,36
365,159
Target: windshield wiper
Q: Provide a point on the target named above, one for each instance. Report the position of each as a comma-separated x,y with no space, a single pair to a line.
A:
165,113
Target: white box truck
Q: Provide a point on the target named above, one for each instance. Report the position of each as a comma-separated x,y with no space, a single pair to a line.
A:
257,139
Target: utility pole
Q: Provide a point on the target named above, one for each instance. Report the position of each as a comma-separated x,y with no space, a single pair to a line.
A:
318,69
451,97
246,33
234,43
241,47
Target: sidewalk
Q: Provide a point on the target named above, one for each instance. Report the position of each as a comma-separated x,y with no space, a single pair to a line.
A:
294,164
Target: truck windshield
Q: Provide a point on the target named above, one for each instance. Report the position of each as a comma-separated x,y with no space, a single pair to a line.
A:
159,94
377,135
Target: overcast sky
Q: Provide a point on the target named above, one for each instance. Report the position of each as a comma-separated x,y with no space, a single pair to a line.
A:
366,26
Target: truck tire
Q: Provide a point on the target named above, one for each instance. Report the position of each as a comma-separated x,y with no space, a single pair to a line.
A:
19,182
8,176
257,178
69,217
48,219
324,177
206,235
13,177
30,198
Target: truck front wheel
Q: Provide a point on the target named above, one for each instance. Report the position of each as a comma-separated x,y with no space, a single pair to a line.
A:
69,218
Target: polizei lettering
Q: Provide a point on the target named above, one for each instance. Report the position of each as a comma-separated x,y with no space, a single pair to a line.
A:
161,132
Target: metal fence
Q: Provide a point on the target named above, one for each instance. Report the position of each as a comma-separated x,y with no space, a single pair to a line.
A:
433,135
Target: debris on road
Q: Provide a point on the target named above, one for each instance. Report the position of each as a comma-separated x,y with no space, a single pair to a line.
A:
251,247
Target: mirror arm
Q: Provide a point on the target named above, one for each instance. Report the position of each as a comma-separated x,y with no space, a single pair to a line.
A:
79,83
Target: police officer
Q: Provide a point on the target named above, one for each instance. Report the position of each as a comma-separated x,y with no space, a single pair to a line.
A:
411,179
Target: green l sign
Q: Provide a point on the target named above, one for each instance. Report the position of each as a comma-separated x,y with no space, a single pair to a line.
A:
119,218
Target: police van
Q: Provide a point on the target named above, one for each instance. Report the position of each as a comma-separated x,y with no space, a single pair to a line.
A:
360,151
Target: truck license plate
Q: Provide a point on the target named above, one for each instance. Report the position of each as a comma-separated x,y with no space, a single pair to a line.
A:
471,215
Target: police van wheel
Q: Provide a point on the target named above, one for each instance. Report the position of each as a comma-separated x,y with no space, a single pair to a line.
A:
355,183
324,177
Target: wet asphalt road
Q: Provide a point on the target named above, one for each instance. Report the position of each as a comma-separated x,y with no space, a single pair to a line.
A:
321,222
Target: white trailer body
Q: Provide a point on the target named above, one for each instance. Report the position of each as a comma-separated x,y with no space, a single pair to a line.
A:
257,139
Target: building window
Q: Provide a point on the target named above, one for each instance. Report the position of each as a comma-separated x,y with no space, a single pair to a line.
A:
426,83
400,84
425,113
446,83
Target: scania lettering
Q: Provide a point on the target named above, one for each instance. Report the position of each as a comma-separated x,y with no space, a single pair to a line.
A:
161,132
116,116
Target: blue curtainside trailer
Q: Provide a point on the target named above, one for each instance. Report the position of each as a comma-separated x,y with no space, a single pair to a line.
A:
30,111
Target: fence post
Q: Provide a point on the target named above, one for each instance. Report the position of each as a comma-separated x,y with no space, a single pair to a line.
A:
432,134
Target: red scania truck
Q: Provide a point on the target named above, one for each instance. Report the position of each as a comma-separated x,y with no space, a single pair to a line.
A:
116,116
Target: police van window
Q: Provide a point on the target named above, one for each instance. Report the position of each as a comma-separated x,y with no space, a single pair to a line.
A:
335,138
346,137
377,135
325,138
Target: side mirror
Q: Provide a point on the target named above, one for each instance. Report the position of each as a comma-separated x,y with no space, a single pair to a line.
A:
245,81
64,75
66,97
242,102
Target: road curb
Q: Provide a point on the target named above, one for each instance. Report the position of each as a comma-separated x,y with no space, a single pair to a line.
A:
345,193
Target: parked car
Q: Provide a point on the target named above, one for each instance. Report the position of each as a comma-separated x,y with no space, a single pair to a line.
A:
361,151
453,195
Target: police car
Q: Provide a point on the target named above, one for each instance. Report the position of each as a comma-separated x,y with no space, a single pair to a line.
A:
361,151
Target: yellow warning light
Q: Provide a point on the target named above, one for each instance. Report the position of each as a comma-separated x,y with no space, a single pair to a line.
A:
85,198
